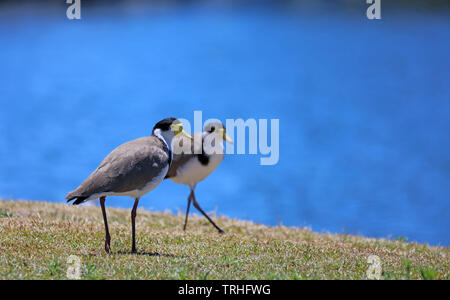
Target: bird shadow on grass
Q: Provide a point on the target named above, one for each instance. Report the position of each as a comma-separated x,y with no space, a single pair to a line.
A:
143,253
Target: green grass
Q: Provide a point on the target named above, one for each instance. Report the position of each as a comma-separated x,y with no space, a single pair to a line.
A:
37,238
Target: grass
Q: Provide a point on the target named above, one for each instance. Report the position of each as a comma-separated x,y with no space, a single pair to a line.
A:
37,239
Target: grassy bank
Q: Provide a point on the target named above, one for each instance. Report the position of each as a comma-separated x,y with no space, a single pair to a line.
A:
36,239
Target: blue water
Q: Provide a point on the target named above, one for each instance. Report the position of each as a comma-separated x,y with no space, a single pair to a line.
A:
363,105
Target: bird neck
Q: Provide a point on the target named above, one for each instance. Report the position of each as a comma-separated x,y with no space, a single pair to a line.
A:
166,137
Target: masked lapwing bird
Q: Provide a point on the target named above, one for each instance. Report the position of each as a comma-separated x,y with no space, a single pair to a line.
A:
132,169
192,167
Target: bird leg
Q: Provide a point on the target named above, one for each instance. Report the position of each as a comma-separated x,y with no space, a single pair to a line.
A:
108,237
197,206
187,210
133,225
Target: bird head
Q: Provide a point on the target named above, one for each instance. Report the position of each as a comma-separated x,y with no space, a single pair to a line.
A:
219,130
169,128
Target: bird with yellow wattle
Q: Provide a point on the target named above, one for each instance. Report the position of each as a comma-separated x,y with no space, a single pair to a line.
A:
193,167
132,169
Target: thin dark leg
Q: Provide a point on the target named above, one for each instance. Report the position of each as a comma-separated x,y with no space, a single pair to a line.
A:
201,210
133,225
187,210
108,237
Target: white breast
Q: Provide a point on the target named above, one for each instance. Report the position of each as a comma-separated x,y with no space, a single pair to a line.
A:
193,171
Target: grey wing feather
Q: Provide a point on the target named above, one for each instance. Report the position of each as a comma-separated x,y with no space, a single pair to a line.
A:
179,157
128,167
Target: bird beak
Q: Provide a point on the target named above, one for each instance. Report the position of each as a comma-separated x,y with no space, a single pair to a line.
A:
225,136
228,139
184,133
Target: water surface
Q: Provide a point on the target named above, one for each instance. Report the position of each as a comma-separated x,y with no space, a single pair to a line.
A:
363,108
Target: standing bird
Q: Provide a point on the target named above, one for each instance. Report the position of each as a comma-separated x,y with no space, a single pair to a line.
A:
191,168
132,169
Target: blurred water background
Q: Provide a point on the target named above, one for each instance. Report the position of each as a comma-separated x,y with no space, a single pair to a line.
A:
363,105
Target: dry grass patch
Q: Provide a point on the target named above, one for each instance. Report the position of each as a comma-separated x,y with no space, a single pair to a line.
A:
36,239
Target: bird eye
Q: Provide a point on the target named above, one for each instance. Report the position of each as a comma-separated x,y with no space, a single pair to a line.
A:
213,128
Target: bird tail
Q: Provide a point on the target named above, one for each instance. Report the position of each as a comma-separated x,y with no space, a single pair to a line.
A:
78,199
